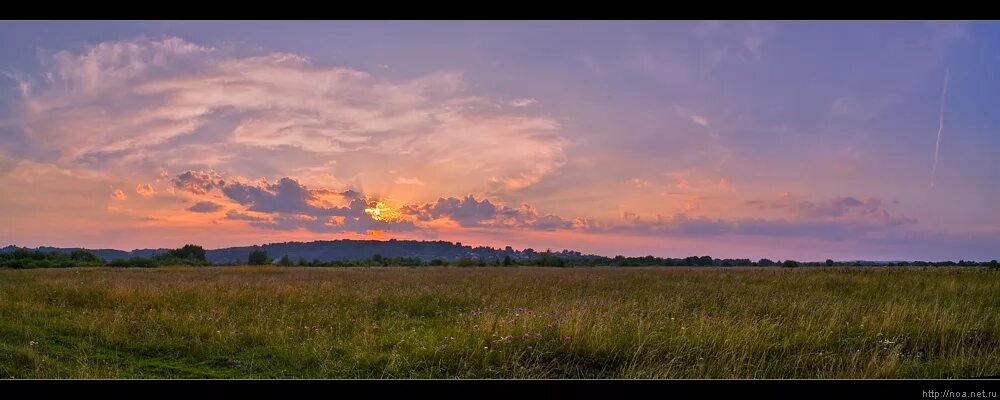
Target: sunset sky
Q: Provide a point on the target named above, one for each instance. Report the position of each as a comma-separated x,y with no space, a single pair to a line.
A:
806,140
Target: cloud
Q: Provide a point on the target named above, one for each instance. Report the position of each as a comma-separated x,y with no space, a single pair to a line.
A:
523,102
198,182
145,190
470,212
169,103
241,216
639,183
205,207
119,195
408,181
700,120
288,205
870,210
676,225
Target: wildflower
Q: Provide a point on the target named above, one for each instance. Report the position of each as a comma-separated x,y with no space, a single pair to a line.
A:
530,347
567,338
32,343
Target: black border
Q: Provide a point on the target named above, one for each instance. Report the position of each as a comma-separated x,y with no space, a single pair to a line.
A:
509,389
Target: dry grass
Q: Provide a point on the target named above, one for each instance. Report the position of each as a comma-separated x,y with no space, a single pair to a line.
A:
267,322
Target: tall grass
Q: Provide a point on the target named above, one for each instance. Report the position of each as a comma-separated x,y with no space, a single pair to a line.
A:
270,322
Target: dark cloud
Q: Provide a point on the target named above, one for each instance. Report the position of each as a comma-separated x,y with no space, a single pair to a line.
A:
469,212
289,196
347,194
205,207
198,182
466,212
291,205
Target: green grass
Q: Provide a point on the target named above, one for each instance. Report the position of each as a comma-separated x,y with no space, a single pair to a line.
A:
269,322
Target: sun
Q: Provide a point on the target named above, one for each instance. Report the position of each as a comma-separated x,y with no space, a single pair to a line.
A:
380,212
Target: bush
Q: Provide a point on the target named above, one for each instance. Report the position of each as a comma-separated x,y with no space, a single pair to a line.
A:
466,262
790,264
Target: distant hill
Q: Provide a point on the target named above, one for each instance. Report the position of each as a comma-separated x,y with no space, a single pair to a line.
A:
334,250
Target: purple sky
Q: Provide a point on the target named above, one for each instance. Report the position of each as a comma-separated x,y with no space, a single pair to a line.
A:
751,139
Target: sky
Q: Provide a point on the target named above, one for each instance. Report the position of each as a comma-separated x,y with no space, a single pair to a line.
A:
803,140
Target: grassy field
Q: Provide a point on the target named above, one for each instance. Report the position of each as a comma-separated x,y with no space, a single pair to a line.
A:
270,322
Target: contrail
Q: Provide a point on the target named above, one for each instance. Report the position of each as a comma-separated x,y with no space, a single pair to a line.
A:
937,146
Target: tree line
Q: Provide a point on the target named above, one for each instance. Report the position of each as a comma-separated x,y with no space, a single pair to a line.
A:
22,258
194,255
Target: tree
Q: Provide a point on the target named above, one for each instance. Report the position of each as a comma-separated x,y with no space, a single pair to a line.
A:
258,257
764,262
84,255
507,261
829,262
188,251
994,266
285,261
790,264
302,262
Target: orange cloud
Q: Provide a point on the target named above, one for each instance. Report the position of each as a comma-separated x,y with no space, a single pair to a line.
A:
145,190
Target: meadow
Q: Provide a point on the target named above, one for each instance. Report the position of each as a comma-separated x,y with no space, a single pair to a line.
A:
496,322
